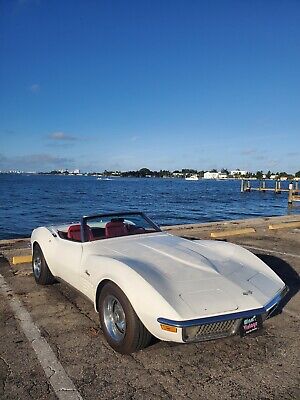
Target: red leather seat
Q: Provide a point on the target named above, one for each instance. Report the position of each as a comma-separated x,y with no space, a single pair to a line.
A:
115,229
75,234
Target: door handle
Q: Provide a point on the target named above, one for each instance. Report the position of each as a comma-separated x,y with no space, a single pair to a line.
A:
87,272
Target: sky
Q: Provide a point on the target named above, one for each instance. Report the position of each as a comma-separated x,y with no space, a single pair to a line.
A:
122,85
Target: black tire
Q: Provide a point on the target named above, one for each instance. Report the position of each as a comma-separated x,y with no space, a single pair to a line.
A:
40,269
135,336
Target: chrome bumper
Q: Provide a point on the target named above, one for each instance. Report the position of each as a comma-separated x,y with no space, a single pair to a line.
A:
214,327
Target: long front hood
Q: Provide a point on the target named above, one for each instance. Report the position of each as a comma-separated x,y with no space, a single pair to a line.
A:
198,278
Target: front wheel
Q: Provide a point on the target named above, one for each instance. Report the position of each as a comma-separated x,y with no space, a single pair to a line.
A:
40,269
121,327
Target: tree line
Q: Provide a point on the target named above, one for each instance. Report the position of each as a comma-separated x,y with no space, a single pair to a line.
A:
147,173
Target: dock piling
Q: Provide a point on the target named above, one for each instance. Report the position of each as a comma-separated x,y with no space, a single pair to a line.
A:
245,186
262,185
290,197
294,194
278,186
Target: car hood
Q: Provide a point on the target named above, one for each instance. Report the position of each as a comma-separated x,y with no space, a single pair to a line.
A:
197,278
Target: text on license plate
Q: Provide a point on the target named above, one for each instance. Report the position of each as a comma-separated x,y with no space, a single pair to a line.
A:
250,324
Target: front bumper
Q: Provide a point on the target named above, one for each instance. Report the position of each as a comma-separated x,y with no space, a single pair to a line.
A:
219,326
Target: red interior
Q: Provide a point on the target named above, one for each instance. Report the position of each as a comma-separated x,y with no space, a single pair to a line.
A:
115,228
74,233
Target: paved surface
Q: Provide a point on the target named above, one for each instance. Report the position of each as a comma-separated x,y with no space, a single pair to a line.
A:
262,366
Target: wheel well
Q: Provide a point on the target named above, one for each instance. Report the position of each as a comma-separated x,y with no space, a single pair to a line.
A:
99,288
35,244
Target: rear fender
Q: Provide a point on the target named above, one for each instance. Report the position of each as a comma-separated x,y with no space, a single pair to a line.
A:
48,243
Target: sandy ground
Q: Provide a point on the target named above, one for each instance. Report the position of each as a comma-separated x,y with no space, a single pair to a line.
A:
262,366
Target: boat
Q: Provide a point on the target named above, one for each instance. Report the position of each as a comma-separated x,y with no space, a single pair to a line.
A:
192,178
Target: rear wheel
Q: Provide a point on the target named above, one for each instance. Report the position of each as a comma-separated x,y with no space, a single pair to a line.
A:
41,271
122,328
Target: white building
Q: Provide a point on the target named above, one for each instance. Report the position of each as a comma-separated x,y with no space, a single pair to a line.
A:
238,172
178,174
211,175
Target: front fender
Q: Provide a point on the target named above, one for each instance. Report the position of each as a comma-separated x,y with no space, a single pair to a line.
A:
220,252
146,300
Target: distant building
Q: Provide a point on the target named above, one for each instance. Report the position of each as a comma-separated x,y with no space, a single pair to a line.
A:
211,175
178,174
238,172
222,175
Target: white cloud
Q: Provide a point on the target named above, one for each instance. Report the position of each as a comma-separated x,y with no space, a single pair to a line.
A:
38,162
61,136
35,88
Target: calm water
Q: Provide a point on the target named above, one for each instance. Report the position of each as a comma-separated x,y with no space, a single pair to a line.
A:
30,201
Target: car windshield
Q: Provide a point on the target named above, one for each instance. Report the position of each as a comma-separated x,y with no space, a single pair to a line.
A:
116,225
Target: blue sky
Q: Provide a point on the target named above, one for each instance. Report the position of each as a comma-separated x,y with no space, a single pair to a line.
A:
159,84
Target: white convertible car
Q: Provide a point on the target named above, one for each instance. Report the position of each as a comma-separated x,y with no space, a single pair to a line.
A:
146,282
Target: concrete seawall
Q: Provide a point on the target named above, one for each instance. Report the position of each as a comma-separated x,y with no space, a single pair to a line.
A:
238,228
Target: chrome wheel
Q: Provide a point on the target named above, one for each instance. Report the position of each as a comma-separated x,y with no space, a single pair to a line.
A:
121,326
37,266
41,272
114,318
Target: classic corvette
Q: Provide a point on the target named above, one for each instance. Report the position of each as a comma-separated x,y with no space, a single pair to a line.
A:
145,282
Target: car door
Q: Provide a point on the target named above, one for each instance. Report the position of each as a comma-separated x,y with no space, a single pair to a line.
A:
86,277
68,260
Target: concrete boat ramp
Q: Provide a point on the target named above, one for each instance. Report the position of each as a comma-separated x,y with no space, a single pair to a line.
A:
51,345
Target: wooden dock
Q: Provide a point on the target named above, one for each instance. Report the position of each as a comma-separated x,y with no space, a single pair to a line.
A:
293,189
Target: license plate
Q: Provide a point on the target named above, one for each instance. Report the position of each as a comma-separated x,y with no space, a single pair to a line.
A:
250,324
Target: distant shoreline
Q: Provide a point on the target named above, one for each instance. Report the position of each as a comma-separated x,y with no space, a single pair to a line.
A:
101,176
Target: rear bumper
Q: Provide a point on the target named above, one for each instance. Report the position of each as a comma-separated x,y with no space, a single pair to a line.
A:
219,326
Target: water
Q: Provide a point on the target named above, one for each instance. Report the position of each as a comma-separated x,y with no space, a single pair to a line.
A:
28,201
